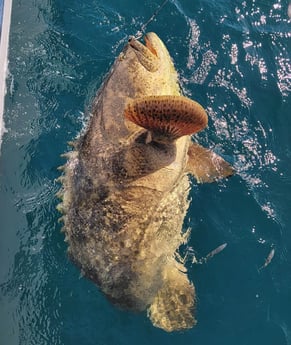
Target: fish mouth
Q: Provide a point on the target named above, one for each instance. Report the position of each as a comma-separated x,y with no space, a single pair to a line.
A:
149,43
146,53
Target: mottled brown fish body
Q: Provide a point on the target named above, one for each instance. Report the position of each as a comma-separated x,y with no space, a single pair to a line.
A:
125,187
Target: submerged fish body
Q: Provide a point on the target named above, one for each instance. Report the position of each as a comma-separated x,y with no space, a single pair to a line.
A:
125,186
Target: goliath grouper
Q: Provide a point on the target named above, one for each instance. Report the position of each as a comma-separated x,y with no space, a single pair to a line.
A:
125,186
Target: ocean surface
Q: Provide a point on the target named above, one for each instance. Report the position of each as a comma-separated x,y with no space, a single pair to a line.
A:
234,57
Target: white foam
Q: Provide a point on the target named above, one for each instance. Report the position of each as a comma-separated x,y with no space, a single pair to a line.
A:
4,41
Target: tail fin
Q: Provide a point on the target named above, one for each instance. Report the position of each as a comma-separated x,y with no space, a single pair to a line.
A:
173,307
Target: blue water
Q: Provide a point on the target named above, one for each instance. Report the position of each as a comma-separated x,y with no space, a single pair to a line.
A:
1,14
234,58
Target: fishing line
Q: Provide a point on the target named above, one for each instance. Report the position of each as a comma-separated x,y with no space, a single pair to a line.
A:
144,26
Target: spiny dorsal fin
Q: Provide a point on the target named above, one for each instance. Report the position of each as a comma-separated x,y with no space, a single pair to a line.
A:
167,116
206,165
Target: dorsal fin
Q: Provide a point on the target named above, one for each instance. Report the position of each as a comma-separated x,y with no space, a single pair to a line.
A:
170,117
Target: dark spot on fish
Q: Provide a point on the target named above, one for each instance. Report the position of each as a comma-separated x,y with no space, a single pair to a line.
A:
183,299
102,192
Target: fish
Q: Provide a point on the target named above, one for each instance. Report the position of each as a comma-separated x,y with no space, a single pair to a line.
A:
215,251
125,186
210,255
268,259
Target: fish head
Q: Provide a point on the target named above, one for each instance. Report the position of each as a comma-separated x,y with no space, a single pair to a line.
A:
154,66
154,104
152,52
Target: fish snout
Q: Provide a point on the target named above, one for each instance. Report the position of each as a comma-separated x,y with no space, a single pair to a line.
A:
146,54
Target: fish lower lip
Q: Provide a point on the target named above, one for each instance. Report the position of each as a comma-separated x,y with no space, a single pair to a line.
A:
132,42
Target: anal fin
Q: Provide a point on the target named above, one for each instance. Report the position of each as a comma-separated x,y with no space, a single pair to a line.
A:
205,165
173,307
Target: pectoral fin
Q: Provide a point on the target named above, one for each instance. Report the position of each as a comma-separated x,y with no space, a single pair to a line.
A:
173,307
206,165
167,117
